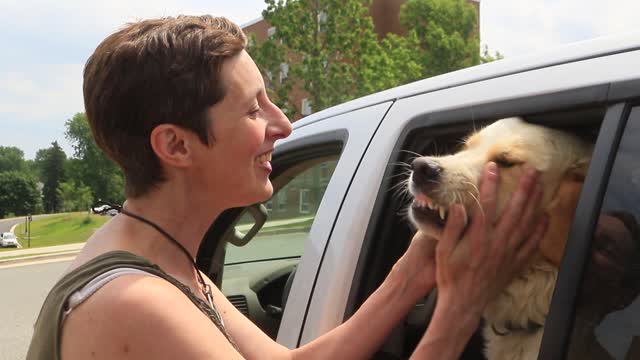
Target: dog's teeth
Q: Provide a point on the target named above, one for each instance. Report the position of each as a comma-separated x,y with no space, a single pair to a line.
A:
442,213
430,205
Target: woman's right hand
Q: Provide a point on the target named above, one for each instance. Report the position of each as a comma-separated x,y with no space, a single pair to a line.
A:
474,267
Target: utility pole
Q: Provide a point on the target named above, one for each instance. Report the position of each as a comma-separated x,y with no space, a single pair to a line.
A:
29,230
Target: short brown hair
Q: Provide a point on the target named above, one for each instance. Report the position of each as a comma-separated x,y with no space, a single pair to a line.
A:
152,72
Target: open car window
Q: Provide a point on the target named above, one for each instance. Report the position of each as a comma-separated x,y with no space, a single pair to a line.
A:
290,214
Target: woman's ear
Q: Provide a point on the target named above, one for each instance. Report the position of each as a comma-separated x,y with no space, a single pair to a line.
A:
171,144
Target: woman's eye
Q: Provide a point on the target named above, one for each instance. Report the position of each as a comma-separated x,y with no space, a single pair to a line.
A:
254,113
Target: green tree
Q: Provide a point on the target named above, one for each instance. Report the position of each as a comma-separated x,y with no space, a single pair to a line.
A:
11,159
447,32
91,166
330,51
52,167
74,196
486,55
19,194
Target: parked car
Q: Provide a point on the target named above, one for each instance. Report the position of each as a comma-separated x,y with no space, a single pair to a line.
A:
8,239
303,262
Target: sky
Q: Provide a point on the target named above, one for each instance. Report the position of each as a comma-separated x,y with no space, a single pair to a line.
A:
45,43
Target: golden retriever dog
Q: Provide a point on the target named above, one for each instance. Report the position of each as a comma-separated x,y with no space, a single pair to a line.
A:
515,319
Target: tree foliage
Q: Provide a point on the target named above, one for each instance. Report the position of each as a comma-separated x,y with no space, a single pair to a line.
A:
74,197
332,53
19,194
93,168
52,169
487,56
11,159
447,33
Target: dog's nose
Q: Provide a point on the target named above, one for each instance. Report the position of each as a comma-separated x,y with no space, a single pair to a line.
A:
425,171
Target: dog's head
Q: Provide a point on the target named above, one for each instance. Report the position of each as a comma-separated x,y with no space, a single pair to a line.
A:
437,182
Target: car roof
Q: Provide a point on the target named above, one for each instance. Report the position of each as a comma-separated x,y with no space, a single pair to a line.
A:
568,53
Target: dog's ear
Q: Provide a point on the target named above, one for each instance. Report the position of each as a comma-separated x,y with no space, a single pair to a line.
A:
560,212
578,170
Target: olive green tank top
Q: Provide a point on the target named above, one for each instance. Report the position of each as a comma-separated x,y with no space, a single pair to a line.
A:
45,343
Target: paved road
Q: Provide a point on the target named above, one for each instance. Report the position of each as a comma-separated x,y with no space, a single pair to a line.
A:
6,224
24,288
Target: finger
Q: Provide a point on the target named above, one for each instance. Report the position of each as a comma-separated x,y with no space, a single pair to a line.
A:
527,223
511,216
488,197
529,246
452,230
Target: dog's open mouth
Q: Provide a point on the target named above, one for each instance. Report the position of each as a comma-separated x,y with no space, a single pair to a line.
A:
427,210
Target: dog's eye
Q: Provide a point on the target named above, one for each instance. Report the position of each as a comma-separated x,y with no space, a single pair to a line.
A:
504,162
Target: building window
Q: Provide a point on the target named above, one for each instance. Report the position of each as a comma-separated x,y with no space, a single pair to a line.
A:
304,201
282,201
306,107
271,31
322,21
284,72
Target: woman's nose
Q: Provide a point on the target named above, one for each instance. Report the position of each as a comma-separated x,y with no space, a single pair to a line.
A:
279,125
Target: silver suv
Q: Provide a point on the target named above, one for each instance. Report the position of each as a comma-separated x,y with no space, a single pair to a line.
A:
301,263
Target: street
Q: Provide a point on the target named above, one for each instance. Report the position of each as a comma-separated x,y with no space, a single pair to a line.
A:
24,288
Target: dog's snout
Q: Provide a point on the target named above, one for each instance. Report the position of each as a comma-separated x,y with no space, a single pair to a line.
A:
425,171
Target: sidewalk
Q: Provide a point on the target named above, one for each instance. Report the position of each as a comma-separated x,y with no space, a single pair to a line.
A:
40,253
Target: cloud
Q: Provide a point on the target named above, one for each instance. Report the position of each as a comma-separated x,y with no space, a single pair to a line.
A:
518,27
41,91
46,45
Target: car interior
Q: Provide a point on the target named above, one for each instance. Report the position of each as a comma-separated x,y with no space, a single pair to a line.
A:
389,218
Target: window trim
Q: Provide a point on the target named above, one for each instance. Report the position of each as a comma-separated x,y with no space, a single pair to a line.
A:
559,322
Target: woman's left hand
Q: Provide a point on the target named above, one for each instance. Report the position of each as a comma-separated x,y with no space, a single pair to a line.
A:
417,265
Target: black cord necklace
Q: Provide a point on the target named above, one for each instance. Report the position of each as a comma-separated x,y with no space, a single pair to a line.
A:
100,208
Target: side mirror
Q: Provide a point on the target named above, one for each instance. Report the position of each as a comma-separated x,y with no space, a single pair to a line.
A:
257,214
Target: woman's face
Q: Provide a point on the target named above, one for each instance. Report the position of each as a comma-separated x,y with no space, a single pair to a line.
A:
235,167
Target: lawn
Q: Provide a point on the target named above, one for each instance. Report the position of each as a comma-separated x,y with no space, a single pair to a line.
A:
61,229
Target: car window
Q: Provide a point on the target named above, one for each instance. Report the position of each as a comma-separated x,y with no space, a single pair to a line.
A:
606,322
291,211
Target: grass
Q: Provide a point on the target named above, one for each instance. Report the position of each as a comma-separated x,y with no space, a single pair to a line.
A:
303,222
30,255
60,229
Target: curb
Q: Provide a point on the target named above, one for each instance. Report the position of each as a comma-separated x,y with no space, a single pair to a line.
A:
39,257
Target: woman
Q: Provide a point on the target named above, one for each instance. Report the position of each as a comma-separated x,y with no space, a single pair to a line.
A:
181,107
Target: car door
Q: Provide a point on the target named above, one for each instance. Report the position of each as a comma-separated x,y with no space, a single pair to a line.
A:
272,277
561,96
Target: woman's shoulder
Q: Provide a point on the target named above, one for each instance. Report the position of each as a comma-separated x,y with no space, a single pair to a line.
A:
141,317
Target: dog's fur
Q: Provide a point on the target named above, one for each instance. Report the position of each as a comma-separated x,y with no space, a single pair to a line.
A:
515,319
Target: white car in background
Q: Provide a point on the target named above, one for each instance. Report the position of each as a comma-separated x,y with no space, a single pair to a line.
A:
8,239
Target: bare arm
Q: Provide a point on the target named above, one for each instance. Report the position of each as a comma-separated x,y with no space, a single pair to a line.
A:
409,280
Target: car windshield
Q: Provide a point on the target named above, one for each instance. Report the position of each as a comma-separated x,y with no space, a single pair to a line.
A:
9,236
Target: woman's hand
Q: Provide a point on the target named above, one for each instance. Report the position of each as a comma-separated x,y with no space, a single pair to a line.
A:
475,267
472,268
417,266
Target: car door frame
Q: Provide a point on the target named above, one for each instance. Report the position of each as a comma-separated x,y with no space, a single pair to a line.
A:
559,321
